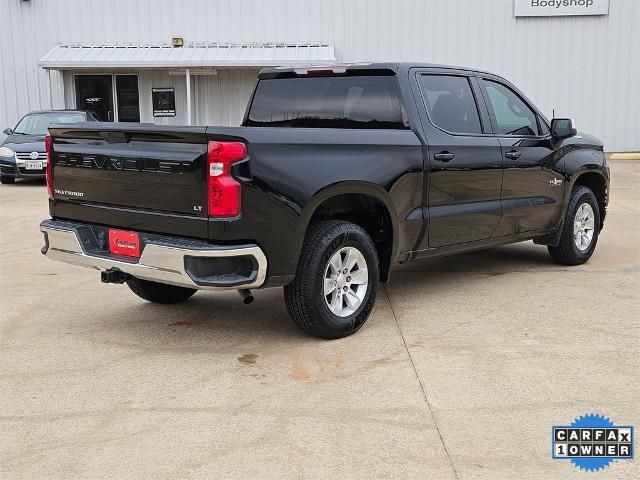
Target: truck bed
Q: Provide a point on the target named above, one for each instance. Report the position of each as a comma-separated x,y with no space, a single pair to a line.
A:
153,179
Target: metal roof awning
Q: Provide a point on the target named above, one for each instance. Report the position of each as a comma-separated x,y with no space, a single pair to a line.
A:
241,55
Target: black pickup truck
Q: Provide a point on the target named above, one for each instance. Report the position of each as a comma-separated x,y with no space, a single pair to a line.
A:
336,174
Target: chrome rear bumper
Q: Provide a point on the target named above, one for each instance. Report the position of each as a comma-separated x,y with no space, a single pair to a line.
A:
163,259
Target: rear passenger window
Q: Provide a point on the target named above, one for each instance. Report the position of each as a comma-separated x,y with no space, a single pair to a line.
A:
510,114
450,103
327,102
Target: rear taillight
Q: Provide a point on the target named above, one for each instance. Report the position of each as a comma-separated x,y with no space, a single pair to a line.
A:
48,145
223,190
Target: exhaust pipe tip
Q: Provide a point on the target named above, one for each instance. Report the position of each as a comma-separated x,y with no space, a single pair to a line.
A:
246,296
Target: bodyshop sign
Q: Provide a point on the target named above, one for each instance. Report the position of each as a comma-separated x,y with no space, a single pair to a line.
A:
550,8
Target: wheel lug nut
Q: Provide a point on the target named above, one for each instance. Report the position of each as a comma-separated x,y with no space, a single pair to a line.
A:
348,279
344,288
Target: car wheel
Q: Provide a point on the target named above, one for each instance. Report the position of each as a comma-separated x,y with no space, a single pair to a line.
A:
159,292
580,229
6,180
336,282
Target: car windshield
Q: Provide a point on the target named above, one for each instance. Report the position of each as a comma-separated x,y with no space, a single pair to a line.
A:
38,123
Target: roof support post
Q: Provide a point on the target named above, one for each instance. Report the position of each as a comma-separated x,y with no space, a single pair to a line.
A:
50,89
188,80
56,89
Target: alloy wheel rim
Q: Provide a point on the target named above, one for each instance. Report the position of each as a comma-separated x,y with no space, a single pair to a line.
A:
346,281
583,227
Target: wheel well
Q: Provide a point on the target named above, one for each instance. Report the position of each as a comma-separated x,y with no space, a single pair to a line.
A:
598,186
369,213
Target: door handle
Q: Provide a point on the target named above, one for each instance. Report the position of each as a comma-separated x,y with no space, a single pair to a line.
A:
443,156
513,155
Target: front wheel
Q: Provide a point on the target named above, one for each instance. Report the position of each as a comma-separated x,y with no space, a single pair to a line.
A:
159,292
7,180
336,282
580,229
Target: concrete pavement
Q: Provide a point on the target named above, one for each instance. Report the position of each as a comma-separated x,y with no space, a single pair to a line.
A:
462,369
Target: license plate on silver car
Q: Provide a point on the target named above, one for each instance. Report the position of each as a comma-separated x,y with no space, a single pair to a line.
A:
30,165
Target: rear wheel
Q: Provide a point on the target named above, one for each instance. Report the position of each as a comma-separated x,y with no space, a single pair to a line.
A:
580,229
5,179
336,283
159,292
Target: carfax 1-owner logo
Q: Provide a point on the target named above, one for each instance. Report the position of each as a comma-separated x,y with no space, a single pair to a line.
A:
592,442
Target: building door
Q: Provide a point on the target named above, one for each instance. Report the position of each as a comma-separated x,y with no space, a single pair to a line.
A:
95,93
128,98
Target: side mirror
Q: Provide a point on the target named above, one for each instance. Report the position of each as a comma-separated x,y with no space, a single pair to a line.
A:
563,128
7,131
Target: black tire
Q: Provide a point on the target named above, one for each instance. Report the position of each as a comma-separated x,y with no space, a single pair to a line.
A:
7,180
159,292
567,252
304,297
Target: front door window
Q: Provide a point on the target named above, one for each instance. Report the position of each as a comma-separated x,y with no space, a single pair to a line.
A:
510,114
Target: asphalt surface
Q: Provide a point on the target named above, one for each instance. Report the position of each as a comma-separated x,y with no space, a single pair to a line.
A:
462,369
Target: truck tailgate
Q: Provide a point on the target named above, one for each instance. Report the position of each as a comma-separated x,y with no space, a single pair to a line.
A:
139,167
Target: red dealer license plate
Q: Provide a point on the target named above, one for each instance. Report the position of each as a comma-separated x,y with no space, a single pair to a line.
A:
122,242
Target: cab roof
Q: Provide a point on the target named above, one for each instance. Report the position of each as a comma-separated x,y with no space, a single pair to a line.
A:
359,68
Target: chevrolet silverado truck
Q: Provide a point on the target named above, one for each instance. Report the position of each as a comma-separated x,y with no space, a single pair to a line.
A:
336,174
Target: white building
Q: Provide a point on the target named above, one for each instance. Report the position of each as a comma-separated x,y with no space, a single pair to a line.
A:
62,53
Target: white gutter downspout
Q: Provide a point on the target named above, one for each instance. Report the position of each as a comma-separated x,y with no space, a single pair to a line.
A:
188,80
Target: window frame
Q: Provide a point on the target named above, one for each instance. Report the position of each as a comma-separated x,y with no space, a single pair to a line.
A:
542,121
480,79
468,76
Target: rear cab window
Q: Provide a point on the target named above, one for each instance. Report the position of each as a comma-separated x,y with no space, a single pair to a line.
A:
351,101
